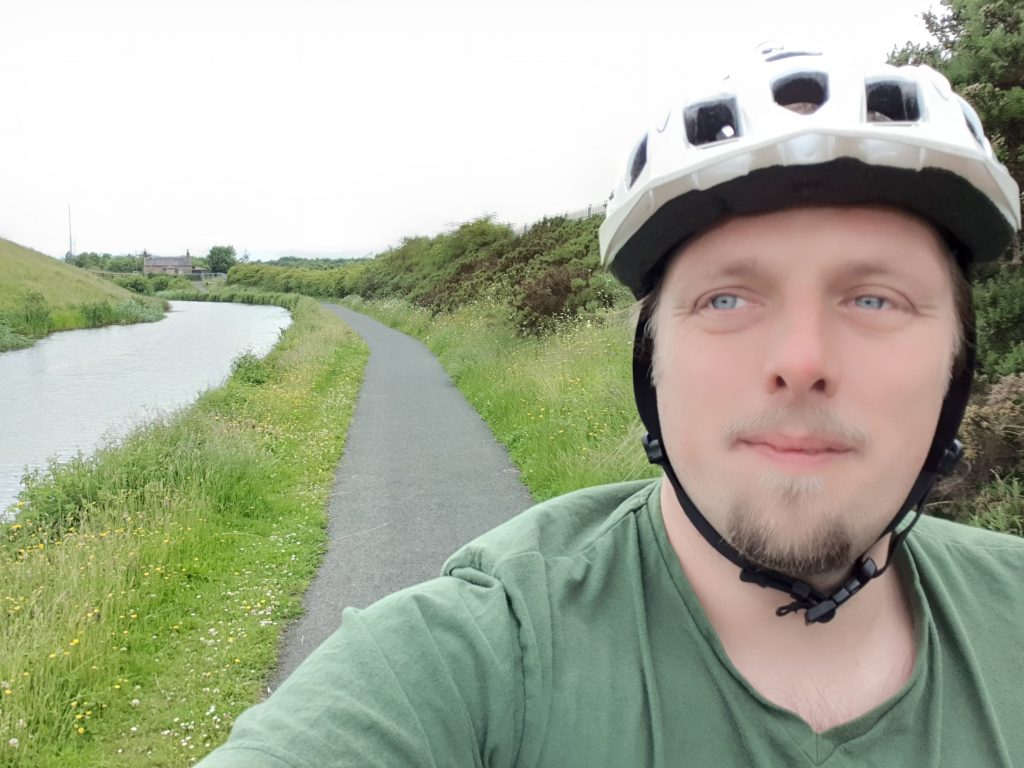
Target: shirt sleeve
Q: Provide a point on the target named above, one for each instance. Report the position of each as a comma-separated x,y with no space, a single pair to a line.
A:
429,676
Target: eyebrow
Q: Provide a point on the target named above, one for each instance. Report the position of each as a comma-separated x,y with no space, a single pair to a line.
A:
752,267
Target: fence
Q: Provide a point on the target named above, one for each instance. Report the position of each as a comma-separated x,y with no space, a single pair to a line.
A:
596,209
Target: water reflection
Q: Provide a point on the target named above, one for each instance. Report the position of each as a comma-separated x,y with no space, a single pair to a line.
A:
72,390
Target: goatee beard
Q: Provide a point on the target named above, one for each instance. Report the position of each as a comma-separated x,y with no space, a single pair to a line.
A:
813,551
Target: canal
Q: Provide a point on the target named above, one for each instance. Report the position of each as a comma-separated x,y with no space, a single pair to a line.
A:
72,391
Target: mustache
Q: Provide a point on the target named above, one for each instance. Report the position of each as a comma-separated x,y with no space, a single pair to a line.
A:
819,421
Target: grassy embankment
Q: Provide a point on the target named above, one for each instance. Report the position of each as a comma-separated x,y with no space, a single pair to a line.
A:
531,331
143,589
39,295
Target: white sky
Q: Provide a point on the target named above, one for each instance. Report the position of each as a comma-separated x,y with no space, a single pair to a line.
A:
323,128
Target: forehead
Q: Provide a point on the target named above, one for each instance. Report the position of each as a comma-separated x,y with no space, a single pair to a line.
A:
849,240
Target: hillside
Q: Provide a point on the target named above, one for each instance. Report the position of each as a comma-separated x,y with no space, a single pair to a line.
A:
23,270
39,295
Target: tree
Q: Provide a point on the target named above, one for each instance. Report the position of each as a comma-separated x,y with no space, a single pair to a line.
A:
979,46
221,258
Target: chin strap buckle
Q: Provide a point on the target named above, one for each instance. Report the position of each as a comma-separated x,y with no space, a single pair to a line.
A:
950,458
819,608
652,447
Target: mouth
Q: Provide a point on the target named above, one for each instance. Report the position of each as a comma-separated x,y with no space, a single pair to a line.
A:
796,450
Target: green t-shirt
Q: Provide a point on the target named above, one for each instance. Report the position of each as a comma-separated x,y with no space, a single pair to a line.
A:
569,636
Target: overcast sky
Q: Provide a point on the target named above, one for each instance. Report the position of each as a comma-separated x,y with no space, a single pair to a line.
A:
329,128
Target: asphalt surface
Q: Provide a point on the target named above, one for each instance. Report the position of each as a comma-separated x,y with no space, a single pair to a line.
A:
421,475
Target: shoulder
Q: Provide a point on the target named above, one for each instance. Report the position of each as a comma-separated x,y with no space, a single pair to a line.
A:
957,539
967,560
563,527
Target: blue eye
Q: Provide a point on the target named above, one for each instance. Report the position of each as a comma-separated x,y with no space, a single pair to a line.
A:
871,302
725,301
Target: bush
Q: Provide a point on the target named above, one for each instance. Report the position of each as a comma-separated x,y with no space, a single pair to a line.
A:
10,340
251,369
137,283
999,304
993,435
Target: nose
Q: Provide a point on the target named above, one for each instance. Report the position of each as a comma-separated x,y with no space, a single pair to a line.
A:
800,356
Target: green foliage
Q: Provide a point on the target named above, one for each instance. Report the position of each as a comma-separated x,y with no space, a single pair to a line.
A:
9,340
999,305
137,283
30,317
979,46
105,262
151,284
221,258
252,369
544,276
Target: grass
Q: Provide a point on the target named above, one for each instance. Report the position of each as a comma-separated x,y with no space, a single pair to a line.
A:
40,295
562,404
143,589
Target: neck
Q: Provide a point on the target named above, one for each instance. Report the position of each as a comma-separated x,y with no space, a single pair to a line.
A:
871,635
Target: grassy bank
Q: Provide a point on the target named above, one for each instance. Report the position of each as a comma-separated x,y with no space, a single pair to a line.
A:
40,295
143,589
561,403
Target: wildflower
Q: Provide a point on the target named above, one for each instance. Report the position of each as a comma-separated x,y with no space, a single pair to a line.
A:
13,743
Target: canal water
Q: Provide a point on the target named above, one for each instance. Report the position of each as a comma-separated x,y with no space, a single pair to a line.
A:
74,390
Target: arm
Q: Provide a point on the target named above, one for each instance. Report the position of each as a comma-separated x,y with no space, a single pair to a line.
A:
430,676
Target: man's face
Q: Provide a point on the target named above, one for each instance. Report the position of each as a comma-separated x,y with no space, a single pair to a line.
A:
801,362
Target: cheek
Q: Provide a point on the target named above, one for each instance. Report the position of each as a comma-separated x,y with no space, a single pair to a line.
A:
902,393
701,387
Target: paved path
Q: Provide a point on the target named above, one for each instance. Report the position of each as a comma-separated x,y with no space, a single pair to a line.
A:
421,475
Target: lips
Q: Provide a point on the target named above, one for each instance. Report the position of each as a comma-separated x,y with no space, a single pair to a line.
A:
796,450
811,444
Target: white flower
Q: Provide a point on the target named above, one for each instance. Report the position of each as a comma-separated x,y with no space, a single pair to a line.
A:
13,743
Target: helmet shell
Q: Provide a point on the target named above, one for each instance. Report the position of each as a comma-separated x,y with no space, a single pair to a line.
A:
800,128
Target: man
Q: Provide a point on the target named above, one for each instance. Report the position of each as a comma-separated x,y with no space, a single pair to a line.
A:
798,236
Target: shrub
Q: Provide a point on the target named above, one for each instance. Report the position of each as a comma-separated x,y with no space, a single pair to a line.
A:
993,435
251,369
137,283
999,304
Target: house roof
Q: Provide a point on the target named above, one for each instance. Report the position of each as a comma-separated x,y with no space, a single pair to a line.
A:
168,261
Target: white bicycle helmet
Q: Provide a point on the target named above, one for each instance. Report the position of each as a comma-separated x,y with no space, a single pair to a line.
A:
799,127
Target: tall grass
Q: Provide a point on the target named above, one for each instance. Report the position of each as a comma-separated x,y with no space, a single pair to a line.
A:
143,589
562,403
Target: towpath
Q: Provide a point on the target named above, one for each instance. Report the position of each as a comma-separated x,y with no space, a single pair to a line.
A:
421,475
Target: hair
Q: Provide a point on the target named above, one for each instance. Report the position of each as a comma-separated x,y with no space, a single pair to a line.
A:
959,274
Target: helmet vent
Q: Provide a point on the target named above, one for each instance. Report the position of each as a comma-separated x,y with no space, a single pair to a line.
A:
711,122
638,161
802,93
892,101
973,122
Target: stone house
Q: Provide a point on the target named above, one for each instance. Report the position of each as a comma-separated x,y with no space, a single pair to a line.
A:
167,265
